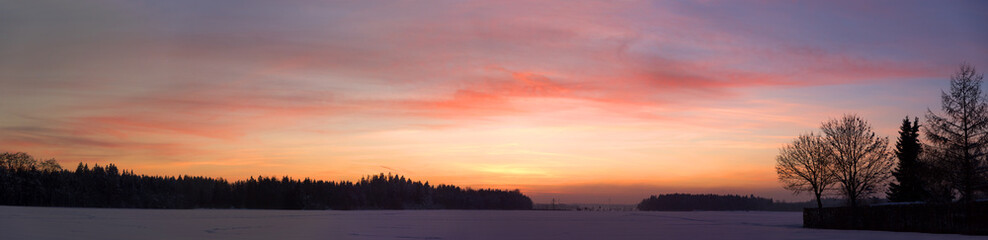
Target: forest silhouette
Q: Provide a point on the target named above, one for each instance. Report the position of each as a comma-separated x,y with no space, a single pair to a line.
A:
715,202
27,182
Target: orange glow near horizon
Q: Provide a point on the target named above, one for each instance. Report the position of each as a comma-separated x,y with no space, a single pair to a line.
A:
578,101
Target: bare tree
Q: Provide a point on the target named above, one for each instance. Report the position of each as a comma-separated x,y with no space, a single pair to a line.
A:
935,175
50,165
961,133
17,161
805,165
862,161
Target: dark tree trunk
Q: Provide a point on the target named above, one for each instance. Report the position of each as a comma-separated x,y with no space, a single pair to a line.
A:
819,204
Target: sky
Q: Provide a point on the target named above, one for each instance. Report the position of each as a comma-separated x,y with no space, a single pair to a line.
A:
579,101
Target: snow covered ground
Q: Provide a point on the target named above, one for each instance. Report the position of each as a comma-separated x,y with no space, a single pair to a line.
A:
80,223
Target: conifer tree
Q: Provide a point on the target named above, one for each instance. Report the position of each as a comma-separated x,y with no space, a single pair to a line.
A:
908,185
960,133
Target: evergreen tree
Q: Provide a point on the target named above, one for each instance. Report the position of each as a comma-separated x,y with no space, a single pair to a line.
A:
908,185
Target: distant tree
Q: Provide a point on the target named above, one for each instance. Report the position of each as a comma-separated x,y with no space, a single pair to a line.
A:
46,184
909,182
961,132
862,162
805,165
705,202
50,165
17,161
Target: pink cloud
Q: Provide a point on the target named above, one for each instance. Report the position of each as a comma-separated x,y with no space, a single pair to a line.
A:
72,145
209,80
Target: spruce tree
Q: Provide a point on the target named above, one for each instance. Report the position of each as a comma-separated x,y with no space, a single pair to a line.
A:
908,185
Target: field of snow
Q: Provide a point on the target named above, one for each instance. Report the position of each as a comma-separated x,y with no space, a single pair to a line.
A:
79,223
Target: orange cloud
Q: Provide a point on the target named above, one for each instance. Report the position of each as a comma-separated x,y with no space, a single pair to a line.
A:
337,89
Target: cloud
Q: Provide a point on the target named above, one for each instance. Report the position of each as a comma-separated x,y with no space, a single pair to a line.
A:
72,144
210,84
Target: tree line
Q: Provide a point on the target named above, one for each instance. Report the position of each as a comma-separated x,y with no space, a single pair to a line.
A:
848,158
26,181
713,202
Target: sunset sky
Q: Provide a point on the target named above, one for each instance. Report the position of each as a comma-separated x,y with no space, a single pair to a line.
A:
583,101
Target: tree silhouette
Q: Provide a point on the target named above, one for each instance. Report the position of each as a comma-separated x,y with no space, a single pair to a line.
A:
49,165
862,162
806,165
908,186
17,161
961,132
710,202
30,183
